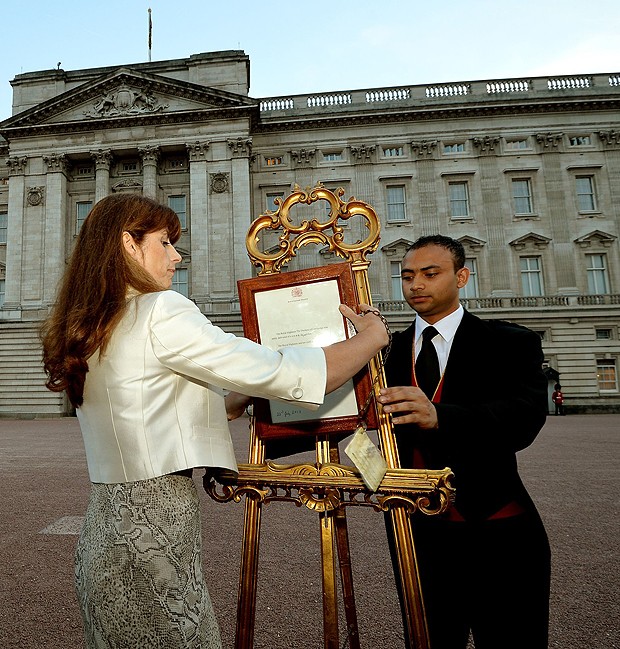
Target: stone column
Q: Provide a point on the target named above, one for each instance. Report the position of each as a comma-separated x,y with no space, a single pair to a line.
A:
55,224
556,194
425,165
241,149
197,221
103,160
150,157
15,238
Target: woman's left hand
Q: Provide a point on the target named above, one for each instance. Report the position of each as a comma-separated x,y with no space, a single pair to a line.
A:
236,404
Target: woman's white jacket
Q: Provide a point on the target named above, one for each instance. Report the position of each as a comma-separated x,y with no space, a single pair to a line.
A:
154,402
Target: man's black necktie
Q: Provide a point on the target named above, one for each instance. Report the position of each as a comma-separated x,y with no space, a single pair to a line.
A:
427,364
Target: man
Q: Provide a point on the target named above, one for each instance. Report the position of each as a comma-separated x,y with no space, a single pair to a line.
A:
485,565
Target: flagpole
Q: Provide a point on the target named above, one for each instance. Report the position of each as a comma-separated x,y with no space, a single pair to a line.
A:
150,34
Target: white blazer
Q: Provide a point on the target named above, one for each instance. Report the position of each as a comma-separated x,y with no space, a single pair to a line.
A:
154,402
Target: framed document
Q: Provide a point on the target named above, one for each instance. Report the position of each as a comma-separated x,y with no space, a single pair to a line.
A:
301,308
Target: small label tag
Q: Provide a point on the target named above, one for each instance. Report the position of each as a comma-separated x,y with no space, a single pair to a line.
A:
367,458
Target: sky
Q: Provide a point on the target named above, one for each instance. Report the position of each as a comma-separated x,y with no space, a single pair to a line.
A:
306,47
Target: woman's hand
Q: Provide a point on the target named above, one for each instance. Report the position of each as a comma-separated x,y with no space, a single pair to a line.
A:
236,404
367,320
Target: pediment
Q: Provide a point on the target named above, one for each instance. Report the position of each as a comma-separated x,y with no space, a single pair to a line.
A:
471,243
124,94
595,238
396,248
531,240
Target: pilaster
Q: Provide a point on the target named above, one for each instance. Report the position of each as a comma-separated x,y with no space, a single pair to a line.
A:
549,145
493,214
425,152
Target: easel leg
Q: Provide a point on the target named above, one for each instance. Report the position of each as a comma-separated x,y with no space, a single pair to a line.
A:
346,577
248,579
328,563
413,604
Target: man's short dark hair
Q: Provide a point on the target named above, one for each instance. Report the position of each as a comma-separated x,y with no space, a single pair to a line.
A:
452,245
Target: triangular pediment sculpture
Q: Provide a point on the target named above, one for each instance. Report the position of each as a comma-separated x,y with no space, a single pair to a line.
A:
596,238
125,94
531,240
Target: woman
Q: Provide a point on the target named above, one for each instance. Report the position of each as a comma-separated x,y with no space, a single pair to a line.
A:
147,372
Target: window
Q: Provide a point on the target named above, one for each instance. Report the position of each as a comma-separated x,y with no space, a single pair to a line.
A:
397,285
396,203
271,200
580,140
603,334
459,200
531,276
82,210
598,280
585,193
273,161
131,166
2,291
85,170
516,145
522,195
333,157
393,152
4,226
178,203
471,288
456,147
176,164
606,375
180,281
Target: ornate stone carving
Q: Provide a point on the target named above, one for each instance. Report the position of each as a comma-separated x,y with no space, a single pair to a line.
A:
149,154
127,185
549,139
303,156
610,138
197,151
487,143
424,147
17,165
57,162
35,196
125,101
220,183
241,147
363,153
102,158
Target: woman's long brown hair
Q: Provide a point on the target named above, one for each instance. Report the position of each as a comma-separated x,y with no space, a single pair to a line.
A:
92,296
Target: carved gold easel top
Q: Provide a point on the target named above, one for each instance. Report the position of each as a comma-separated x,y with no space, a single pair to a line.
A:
328,232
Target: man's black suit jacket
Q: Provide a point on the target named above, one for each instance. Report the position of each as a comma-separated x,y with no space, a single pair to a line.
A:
493,404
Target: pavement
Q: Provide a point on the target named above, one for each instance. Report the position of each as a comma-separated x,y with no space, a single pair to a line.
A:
571,471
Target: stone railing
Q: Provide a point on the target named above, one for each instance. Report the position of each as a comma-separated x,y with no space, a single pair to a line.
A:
540,302
534,88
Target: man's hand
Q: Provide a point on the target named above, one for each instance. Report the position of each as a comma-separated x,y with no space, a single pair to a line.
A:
408,405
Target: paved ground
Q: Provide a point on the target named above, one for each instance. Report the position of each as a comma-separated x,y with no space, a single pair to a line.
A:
571,471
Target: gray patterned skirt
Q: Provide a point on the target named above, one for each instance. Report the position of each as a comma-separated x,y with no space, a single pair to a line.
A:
138,568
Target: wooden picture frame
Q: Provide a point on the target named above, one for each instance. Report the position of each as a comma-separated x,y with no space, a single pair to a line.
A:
301,307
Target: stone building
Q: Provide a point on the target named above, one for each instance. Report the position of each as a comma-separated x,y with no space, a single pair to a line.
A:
525,172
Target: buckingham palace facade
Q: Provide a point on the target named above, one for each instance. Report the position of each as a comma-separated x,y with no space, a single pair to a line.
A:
524,172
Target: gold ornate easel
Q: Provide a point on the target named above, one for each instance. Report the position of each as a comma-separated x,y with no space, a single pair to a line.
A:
328,487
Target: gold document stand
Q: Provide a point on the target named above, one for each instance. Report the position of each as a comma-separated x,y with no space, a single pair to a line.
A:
327,486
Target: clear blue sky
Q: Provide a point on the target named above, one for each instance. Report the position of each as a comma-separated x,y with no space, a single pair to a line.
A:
301,47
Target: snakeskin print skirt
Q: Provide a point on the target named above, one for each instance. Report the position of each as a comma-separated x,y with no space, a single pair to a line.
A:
138,568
